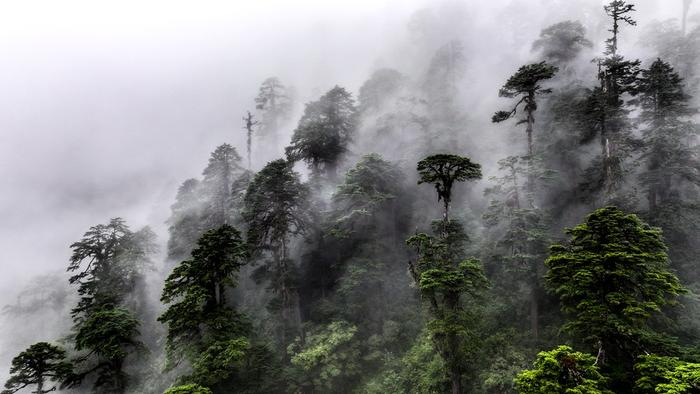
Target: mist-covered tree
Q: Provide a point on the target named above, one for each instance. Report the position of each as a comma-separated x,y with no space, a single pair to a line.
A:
185,223
198,314
562,370
324,132
607,109
440,87
223,168
39,365
326,360
108,336
378,90
207,204
562,42
276,209
250,123
611,277
517,233
525,86
445,279
107,264
670,155
274,101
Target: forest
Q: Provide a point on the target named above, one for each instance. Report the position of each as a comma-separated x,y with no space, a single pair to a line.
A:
369,242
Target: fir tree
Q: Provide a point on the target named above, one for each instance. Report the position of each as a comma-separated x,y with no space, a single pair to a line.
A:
38,365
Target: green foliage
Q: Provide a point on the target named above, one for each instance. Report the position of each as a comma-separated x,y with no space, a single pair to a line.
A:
276,205
371,187
326,360
443,170
562,371
525,85
188,389
611,277
419,371
40,363
196,291
667,375
378,89
109,334
219,360
324,131
107,263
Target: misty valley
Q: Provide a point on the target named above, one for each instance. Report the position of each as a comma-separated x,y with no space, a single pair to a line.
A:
518,215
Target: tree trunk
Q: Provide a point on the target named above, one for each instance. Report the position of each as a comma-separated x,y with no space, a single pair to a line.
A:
534,313
456,379
40,384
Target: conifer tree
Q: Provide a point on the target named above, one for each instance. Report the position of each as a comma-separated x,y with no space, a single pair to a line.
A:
611,278
38,365
443,276
274,101
324,132
276,209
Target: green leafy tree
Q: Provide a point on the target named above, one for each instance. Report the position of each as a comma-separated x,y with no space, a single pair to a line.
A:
276,209
562,371
108,336
611,277
38,365
324,132
666,375
325,360
198,315
107,264
443,276
517,234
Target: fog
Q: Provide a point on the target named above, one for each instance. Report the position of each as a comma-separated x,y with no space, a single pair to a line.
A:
106,107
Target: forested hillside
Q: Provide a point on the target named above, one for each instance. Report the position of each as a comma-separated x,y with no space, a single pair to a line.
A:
372,240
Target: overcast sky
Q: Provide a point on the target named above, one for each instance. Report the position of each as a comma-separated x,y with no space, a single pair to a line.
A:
107,106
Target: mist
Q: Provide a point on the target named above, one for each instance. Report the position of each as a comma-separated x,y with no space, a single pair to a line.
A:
107,107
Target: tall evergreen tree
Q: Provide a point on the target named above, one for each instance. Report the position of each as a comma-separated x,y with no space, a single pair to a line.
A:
274,101
324,132
612,277
276,209
525,86
443,276
196,290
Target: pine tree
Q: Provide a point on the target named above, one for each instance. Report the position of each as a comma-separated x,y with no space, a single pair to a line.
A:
525,86
39,364
274,101
199,314
443,276
611,278
324,132
276,209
